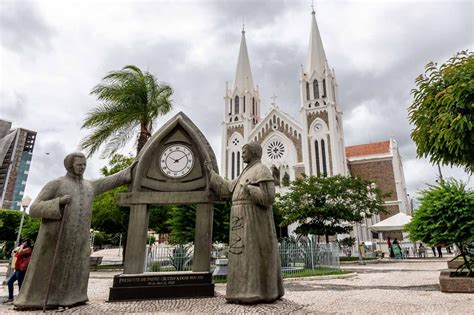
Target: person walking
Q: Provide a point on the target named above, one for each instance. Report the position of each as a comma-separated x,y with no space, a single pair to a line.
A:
434,250
389,244
22,261
440,254
397,250
422,251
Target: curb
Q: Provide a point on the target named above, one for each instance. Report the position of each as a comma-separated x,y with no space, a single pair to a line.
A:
328,277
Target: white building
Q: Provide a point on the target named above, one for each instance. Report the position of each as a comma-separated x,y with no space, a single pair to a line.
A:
313,143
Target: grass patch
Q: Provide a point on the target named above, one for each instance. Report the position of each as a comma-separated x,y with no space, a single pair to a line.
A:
321,271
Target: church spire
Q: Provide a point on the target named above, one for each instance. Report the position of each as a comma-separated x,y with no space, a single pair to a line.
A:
316,60
243,76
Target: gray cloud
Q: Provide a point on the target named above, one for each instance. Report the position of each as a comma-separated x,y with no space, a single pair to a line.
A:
23,29
377,50
13,106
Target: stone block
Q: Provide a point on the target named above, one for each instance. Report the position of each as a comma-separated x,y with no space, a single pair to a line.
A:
450,284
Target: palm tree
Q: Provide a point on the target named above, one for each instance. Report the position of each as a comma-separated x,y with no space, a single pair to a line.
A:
128,98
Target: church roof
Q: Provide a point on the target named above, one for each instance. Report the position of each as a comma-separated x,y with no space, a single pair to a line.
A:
243,75
316,60
368,149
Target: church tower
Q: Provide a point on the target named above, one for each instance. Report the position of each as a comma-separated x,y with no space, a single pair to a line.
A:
241,114
321,114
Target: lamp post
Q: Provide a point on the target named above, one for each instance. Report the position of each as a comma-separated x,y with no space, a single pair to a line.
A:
25,202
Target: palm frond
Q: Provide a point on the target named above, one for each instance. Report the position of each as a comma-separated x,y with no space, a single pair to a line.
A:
128,97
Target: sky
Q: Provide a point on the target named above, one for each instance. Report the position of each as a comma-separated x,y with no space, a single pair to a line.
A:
52,53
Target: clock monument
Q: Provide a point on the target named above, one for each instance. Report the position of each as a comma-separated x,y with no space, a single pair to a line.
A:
170,170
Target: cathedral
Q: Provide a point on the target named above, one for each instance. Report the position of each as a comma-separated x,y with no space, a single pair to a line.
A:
313,143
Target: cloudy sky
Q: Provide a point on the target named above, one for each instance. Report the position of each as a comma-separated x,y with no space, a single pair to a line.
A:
53,53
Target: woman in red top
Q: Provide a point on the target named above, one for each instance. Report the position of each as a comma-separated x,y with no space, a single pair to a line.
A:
22,260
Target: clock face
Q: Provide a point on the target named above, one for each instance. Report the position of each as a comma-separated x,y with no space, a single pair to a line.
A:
318,127
176,161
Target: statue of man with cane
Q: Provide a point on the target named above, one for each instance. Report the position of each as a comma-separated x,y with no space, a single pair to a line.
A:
58,273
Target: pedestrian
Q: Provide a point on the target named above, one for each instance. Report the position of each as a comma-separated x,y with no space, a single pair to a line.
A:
422,251
22,259
440,254
434,250
389,244
397,250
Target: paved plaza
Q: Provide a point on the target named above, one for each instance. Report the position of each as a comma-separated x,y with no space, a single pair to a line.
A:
402,287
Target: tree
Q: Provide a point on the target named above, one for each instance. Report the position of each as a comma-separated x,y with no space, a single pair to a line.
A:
327,205
445,216
129,98
443,112
107,216
183,220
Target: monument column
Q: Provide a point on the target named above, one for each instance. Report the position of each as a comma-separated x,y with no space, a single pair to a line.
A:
203,237
135,253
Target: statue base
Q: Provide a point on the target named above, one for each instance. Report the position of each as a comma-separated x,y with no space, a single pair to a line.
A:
161,285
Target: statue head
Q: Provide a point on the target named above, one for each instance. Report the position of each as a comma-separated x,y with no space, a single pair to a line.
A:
75,163
251,151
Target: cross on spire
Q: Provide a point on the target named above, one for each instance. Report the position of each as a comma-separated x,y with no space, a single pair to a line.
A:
312,7
274,97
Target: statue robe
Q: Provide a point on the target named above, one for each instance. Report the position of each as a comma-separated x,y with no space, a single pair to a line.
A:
254,271
71,270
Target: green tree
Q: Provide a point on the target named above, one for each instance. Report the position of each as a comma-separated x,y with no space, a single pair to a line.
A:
9,224
183,220
325,205
182,223
30,228
445,216
107,216
443,112
129,98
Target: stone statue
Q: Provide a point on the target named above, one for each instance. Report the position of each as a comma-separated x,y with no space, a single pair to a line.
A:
276,175
67,198
286,179
254,272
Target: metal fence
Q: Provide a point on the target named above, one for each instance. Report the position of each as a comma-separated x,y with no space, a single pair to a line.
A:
296,257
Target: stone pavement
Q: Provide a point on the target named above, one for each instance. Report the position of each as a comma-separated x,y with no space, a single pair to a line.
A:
402,287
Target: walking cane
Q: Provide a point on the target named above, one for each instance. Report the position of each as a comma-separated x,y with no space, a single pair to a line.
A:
61,227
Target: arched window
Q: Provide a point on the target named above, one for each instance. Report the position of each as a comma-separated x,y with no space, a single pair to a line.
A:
254,112
236,104
238,163
232,164
316,88
316,152
307,91
244,102
230,107
323,157
324,88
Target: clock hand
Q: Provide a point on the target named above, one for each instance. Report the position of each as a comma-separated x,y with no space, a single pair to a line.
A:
176,161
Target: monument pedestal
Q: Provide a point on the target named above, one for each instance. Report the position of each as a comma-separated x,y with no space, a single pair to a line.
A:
161,285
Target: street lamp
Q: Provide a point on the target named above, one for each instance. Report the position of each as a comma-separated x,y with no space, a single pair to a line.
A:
25,202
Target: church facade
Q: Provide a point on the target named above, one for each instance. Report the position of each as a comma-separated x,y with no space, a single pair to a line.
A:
313,143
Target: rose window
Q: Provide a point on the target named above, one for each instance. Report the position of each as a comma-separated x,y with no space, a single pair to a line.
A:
235,141
275,150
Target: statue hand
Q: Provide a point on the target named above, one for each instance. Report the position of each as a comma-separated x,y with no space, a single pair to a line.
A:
64,200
